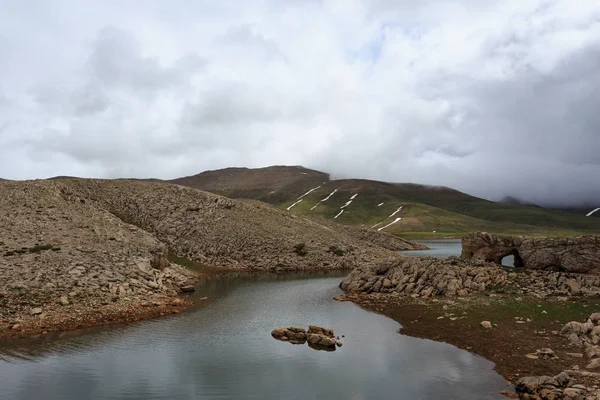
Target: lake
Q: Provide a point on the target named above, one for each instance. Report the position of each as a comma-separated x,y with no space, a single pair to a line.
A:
447,247
222,349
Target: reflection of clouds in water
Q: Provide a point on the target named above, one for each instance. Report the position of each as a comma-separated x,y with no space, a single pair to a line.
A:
225,349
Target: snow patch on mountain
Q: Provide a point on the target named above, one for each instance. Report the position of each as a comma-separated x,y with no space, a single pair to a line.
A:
395,212
307,193
390,224
330,194
592,212
290,207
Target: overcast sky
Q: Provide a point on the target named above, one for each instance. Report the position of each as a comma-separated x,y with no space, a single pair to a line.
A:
493,98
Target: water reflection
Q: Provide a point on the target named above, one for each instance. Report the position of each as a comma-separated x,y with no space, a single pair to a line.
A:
446,248
224,349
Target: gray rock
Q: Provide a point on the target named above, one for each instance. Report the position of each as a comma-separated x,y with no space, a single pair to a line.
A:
293,334
545,353
577,327
36,311
187,289
593,364
424,276
486,324
314,329
321,340
579,255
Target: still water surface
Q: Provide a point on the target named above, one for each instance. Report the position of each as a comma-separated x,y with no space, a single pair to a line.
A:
223,350
447,247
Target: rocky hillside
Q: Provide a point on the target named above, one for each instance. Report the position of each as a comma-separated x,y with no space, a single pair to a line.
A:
96,242
57,252
222,232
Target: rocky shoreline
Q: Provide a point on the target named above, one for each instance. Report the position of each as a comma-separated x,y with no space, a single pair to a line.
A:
515,342
539,327
80,318
84,252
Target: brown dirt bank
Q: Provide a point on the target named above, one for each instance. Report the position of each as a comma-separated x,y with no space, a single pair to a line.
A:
95,313
457,321
78,318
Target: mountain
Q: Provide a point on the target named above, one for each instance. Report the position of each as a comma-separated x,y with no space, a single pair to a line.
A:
589,210
515,201
274,185
425,209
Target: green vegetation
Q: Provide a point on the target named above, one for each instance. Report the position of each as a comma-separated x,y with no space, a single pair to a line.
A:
336,250
300,249
505,308
429,213
35,249
38,249
184,262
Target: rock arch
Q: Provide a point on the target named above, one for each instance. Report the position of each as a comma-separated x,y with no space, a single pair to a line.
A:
578,254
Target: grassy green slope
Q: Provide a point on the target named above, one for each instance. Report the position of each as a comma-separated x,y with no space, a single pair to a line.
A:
462,203
426,209
447,212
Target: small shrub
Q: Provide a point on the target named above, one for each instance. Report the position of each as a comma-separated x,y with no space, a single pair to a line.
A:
300,249
38,249
336,250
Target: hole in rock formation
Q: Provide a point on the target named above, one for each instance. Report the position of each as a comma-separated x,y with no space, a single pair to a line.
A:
512,259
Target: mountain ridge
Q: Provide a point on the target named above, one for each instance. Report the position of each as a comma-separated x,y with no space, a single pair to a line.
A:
427,208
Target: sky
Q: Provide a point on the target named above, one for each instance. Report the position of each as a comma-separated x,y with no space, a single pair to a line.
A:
494,98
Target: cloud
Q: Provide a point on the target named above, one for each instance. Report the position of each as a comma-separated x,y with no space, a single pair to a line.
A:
491,98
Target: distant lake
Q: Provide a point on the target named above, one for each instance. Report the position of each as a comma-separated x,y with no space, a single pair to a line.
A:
223,349
446,248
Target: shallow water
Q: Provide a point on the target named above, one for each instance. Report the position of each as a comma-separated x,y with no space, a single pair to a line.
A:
446,248
223,350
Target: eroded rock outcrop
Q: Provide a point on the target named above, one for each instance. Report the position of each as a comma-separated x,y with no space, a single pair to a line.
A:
317,337
545,284
579,254
293,334
424,277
